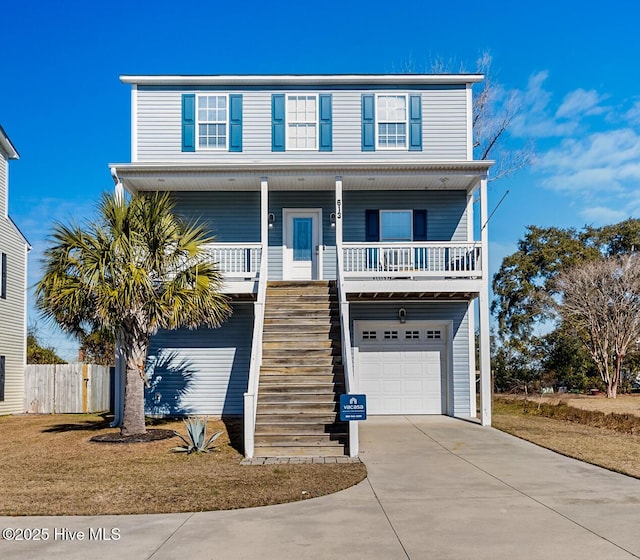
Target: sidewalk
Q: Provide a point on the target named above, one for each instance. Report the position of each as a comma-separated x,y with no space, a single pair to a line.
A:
438,488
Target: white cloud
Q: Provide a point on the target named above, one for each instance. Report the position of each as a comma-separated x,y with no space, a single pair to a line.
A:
598,162
633,114
601,215
580,102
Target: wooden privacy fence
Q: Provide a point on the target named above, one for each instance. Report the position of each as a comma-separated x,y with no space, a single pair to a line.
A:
67,388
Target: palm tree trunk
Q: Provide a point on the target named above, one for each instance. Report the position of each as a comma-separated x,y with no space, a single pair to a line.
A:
133,416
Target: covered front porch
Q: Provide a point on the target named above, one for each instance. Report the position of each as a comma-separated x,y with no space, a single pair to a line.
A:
309,221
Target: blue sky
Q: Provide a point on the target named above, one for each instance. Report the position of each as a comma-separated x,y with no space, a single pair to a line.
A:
573,64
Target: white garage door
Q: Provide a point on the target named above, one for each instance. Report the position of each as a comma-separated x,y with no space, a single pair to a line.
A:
401,367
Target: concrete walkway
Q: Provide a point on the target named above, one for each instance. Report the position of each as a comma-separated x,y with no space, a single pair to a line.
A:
438,488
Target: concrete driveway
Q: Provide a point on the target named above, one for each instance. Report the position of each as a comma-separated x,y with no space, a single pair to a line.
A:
438,488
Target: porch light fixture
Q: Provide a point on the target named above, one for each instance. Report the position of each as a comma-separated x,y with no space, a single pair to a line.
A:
271,219
332,219
402,315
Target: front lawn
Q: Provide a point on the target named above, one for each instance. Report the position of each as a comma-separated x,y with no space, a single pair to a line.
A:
49,467
612,442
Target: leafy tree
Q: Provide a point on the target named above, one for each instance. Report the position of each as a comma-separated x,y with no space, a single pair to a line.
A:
601,300
38,354
98,347
525,287
566,361
139,268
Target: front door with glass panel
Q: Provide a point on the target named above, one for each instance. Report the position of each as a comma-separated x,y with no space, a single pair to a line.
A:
302,239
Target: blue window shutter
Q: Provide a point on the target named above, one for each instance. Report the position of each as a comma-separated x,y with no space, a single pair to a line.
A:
419,225
326,126
372,225
188,122
368,123
3,273
415,123
277,122
235,122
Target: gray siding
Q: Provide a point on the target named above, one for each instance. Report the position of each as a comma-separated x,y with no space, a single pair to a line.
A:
446,211
233,217
458,382
12,309
202,371
444,127
303,199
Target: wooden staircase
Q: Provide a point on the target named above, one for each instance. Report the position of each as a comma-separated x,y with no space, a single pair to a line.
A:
301,376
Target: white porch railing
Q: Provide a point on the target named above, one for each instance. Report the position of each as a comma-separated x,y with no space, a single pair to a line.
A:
236,260
415,260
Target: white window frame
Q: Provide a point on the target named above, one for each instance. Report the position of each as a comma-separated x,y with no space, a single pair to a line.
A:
199,122
379,121
383,240
316,122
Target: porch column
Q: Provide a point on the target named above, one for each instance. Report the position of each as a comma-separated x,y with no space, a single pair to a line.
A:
338,211
264,216
483,302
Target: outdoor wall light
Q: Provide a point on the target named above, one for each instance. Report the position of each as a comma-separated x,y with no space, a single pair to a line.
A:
402,315
271,219
332,219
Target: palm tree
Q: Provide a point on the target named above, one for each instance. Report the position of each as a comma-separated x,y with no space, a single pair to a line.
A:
137,269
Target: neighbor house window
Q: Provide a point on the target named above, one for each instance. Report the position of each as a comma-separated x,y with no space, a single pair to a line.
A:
3,275
302,122
2,376
396,225
213,122
391,118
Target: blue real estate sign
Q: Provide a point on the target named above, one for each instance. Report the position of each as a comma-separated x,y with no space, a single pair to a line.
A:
353,407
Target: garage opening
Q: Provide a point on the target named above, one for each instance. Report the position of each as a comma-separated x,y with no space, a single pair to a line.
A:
402,368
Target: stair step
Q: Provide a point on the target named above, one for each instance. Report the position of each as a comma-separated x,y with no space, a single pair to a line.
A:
297,418
296,388
297,408
297,399
306,440
294,341
299,363
336,450
302,428
302,371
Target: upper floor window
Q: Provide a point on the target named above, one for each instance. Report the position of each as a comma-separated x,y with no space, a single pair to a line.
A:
213,115
3,275
302,122
392,121
211,122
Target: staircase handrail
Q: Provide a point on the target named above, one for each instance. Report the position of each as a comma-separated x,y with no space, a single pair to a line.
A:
250,397
345,334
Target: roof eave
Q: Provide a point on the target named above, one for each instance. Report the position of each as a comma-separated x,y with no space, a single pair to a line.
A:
6,146
293,79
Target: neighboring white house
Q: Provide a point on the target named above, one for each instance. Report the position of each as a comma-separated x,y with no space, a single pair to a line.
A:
13,294
343,209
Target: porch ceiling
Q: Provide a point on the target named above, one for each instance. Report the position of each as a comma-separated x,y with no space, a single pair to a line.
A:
298,176
411,296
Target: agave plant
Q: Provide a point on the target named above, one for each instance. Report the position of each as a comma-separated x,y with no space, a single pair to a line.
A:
196,440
